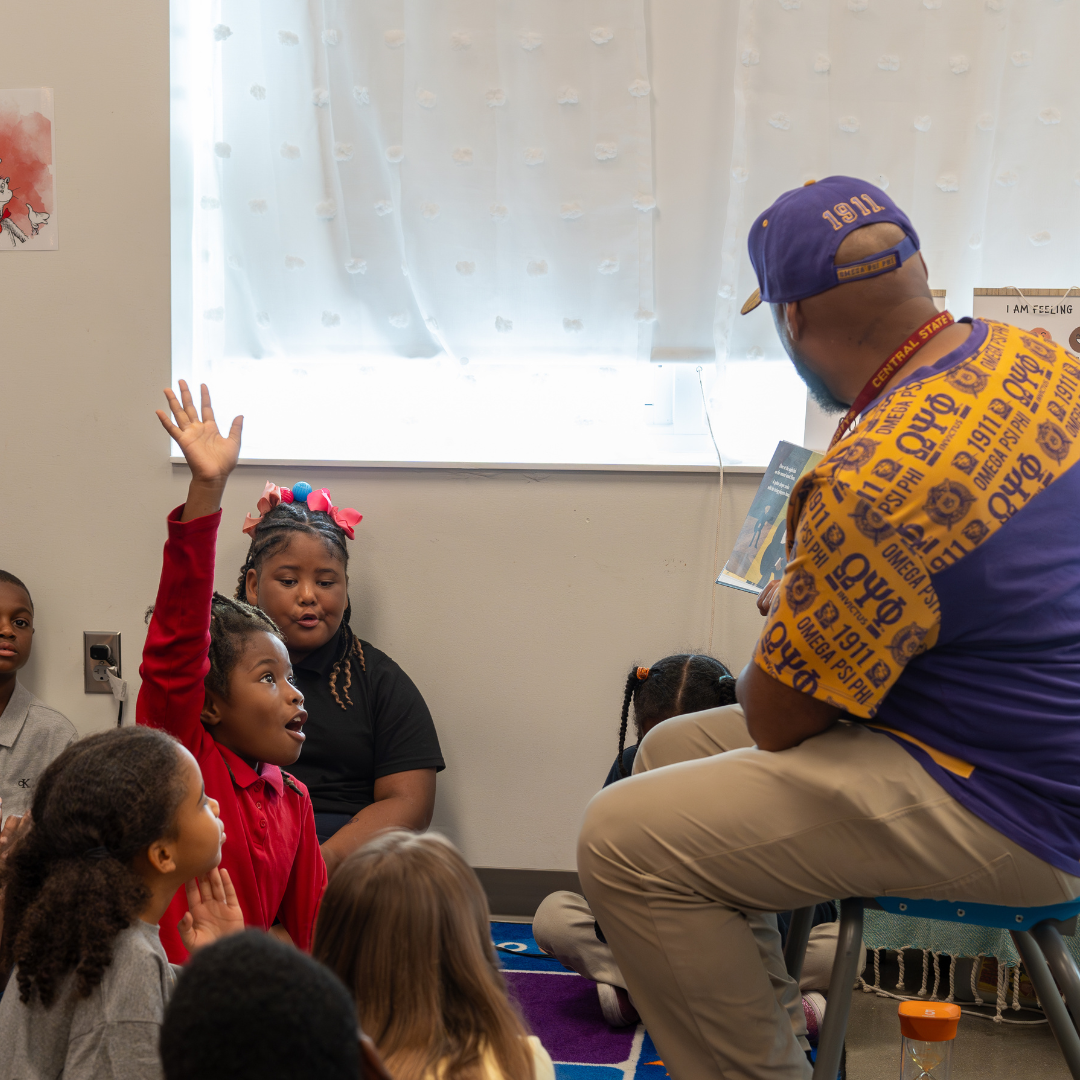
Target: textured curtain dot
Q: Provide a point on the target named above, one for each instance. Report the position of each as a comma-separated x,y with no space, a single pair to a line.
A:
568,95
433,324
643,315
235,262
258,92
822,64
1021,58
849,123
573,326
755,352
361,95
395,153
975,241
569,211
1049,116
294,262
343,151
609,265
984,122
959,63
326,209
463,155
258,206
221,32
601,35
208,202
536,267
331,318
356,266
504,326
739,174
331,37
948,182
394,38
287,37
460,39
889,62
533,155
262,318
214,314
320,97
605,151
383,207
288,150
996,5
495,98
883,182
639,88
430,210
922,123
780,120
643,201
725,292
222,149
931,5
1040,238
425,98
749,57
791,5
1007,178
530,40
465,269
399,319
857,5
499,212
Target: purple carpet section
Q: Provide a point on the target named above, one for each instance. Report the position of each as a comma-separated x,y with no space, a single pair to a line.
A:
564,1011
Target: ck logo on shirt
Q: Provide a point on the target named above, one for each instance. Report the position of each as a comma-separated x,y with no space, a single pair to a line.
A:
25,782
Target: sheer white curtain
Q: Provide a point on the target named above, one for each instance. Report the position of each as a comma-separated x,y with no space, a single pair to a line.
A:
406,177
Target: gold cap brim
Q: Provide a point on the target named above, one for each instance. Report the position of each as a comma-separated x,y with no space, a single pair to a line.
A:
752,302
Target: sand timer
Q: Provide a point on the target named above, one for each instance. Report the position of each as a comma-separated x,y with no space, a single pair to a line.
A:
928,1029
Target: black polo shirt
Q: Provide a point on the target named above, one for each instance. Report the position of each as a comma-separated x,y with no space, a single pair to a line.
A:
387,729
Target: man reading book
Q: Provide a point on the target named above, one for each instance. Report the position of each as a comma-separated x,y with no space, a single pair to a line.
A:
909,721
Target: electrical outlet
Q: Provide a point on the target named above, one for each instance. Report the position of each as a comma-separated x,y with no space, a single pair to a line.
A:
95,668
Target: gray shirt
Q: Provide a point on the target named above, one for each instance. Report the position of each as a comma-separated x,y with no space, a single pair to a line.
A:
110,1035
31,736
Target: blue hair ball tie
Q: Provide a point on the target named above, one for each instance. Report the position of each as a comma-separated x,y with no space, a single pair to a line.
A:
301,491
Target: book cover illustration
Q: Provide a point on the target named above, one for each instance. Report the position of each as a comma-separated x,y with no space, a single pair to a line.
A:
759,554
27,194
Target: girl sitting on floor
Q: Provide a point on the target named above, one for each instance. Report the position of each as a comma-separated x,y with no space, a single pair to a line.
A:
564,925
120,820
215,674
372,751
405,925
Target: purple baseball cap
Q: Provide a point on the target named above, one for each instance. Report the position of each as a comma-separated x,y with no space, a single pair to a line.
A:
793,243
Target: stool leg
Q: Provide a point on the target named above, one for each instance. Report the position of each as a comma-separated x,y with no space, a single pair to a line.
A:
1061,964
847,965
797,937
1056,1014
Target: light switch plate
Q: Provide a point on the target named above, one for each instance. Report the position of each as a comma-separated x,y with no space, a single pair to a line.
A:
95,679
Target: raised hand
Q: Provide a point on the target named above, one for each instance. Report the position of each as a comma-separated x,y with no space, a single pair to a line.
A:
213,911
210,456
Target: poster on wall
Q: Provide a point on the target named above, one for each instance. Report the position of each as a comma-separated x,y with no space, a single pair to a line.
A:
1053,314
27,190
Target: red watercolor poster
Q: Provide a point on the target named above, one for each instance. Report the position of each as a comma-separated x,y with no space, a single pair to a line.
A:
27,191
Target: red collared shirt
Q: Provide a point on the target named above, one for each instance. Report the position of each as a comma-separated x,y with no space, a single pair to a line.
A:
270,851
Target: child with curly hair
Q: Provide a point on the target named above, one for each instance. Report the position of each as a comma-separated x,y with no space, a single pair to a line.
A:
405,926
120,821
216,674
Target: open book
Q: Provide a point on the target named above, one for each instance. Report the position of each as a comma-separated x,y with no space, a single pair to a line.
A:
759,554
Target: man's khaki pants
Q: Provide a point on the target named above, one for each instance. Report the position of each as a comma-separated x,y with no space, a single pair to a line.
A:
680,861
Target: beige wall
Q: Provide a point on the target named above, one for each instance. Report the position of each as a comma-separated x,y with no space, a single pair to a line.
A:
516,601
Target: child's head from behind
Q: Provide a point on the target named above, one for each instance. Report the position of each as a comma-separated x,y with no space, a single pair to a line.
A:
16,623
250,1008
683,683
297,572
113,814
405,924
251,705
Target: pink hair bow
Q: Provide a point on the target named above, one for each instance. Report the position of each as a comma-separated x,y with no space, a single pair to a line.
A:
344,517
270,497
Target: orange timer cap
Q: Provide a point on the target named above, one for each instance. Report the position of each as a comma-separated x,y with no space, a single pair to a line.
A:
929,1021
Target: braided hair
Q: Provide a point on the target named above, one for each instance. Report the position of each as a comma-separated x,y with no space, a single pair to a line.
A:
686,682
69,888
232,622
273,533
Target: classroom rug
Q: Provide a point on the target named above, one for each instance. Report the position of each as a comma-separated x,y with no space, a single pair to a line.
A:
563,1011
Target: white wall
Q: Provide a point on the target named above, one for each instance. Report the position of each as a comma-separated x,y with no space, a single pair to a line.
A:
516,601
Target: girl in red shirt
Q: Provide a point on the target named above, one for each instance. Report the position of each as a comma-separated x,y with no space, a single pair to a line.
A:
216,674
